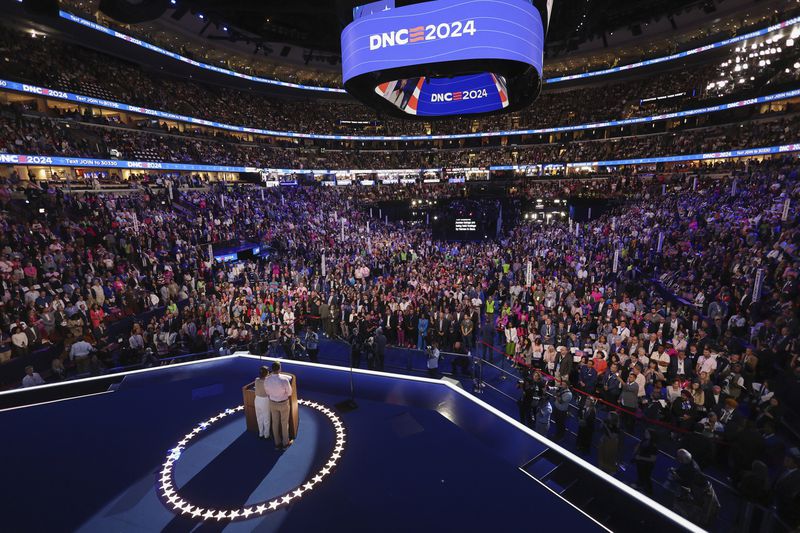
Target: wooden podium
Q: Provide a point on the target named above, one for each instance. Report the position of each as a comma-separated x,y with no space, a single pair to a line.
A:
249,398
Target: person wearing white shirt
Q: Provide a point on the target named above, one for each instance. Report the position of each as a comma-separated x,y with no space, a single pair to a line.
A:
433,360
279,389
262,404
641,381
31,378
79,354
19,342
288,318
707,362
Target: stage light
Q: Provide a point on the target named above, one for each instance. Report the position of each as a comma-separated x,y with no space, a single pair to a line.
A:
171,498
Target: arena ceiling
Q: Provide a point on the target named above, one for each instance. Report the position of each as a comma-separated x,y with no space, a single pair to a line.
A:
316,24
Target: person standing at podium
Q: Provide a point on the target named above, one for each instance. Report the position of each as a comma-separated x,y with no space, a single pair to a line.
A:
279,390
262,403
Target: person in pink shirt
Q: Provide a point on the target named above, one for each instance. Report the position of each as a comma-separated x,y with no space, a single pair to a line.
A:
30,271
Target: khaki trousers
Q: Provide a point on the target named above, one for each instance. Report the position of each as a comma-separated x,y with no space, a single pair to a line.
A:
279,412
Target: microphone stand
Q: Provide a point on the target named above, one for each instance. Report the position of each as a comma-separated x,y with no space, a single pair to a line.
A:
350,404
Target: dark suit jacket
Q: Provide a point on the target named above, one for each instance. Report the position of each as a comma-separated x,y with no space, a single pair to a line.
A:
715,405
672,369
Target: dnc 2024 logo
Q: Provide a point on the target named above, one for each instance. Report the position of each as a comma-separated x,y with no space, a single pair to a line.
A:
459,96
418,34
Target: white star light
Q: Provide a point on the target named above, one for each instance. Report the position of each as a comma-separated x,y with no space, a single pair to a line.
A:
173,500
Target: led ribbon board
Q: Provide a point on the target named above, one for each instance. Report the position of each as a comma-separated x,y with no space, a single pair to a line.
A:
446,57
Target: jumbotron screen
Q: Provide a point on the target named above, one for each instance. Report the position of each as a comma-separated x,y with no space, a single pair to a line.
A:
445,57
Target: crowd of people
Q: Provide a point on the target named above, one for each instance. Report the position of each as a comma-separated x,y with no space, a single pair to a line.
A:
672,316
22,132
711,365
54,64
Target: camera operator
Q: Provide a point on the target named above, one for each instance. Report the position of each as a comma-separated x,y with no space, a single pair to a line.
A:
532,392
695,498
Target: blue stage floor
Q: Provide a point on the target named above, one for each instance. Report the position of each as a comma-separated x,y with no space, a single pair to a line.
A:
417,458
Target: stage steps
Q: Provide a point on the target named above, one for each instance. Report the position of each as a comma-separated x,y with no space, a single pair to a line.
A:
614,509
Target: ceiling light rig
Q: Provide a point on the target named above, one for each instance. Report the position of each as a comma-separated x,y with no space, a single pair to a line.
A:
172,499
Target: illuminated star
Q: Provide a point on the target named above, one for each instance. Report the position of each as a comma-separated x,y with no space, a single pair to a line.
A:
209,514
297,493
221,515
247,512
330,463
197,512
233,514
261,508
308,486
274,505
286,499
317,478
187,509
325,471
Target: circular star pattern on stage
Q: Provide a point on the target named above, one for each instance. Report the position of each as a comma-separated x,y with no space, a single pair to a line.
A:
172,499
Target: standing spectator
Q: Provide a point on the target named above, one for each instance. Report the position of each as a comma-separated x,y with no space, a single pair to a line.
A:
19,343
380,349
433,360
586,423
31,378
629,399
645,456
787,489
608,448
80,353
543,412
561,403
